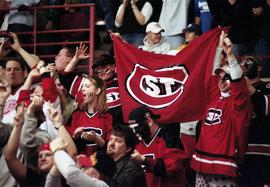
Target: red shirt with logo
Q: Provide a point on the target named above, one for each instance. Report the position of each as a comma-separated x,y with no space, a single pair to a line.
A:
223,133
100,123
164,166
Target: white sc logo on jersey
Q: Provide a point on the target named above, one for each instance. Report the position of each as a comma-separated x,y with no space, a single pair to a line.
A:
213,116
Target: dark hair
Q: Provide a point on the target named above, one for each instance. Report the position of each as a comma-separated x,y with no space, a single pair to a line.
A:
19,60
127,133
70,51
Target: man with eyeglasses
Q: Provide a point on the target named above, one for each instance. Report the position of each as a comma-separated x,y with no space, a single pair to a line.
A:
255,169
251,67
104,68
223,134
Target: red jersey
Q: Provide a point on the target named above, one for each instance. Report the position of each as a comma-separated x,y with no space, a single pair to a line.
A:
164,166
100,123
223,130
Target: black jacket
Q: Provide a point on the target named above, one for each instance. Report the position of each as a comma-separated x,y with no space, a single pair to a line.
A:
128,174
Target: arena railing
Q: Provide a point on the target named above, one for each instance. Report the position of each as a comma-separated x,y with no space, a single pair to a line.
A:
36,32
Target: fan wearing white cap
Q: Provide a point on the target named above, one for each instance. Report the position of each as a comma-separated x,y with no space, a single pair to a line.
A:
153,41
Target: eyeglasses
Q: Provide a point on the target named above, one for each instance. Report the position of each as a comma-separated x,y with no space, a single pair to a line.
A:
104,72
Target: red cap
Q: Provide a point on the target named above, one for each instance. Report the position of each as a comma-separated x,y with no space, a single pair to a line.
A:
43,147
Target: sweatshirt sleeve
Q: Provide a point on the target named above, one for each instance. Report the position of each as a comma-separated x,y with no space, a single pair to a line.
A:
52,181
72,173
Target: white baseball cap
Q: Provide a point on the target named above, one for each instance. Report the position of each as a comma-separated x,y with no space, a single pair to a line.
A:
154,27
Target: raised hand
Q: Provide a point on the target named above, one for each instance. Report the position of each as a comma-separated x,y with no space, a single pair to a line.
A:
3,52
257,11
55,116
227,46
16,42
81,52
35,105
137,156
225,43
19,117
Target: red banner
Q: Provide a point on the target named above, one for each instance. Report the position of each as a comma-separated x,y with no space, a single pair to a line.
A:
172,86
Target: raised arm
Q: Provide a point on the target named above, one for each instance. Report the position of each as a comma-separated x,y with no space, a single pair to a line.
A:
29,140
33,73
119,18
72,173
219,49
3,52
30,59
16,168
80,54
144,15
57,119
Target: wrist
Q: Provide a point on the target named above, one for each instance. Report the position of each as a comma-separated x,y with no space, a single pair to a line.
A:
134,7
19,50
58,125
75,58
41,68
57,149
231,57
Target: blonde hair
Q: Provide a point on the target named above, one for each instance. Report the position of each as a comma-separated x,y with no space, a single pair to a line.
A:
101,106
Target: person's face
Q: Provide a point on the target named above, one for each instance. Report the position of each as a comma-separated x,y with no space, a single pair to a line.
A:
45,161
60,87
190,36
223,82
141,130
116,147
105,72
14,73
38,91
61,60
89,91
153,38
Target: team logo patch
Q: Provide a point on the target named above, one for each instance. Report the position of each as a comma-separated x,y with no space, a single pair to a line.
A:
213,116
98,131
113,97
157,88
10,105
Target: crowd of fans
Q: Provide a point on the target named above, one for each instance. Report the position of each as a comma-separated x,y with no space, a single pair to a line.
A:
60,127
